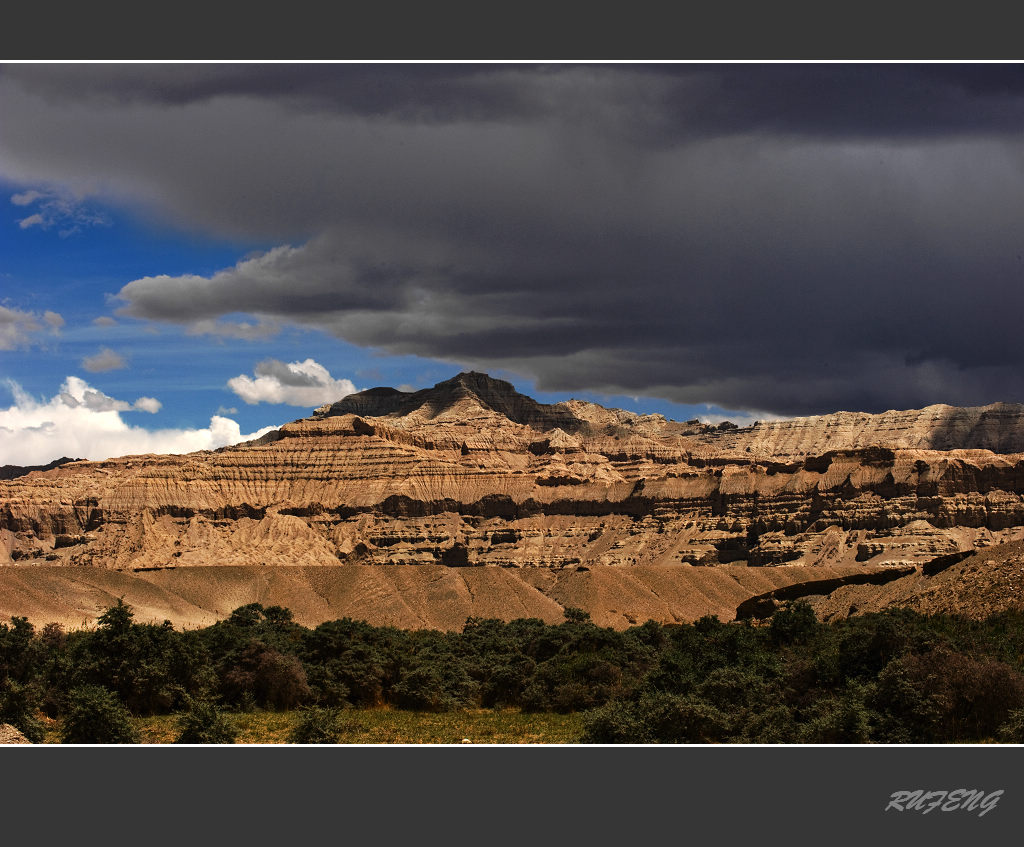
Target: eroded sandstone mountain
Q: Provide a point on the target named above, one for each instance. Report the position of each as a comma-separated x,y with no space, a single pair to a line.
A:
472,473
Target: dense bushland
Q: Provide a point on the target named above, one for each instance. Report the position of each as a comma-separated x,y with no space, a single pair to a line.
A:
894,677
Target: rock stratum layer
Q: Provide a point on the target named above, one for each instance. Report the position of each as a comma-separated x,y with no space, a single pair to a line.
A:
470,480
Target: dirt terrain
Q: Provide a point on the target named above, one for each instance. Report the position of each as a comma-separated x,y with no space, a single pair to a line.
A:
468,498
987,582
405,596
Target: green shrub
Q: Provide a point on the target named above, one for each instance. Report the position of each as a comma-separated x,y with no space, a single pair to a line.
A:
204,724
708,625
658,718
794,623
774,725
684,719
535,697
1012,732
18,705
18,649
732,689
435,684
96,716
617,722
674,673
318,726
845,719
943,696
574,615
868,647
276,680
505,680
576,696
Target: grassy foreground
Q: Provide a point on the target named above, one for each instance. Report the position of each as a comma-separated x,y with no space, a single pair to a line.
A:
386,726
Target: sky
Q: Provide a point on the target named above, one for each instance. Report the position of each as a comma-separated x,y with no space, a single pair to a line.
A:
191,254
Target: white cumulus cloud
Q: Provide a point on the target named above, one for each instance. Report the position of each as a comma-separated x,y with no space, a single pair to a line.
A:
305,383
81,422
148,404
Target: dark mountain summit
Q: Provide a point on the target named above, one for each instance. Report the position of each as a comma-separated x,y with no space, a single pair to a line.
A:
14,471
471,387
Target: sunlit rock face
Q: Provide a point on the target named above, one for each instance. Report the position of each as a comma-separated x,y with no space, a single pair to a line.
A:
471,474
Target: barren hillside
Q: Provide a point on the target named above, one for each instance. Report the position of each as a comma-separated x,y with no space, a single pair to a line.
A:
987,582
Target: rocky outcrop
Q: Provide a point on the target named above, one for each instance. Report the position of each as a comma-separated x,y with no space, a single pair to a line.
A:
14,471
472,475
998,427
764,605
980,584
11,735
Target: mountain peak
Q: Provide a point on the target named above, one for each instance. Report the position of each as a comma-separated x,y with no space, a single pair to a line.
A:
479,386
472,387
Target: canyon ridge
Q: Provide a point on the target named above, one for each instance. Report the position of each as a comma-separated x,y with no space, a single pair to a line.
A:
422,509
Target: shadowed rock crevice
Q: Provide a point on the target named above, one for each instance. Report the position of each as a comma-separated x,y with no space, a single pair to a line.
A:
763,605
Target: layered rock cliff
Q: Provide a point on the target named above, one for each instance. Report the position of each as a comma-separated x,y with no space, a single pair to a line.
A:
472,473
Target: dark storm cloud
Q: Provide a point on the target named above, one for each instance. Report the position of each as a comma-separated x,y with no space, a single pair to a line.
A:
855,101
671,100
786,238
425,92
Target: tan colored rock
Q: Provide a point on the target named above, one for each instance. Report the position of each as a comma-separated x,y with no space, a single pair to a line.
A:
471,473
987,582
998,427
11,735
